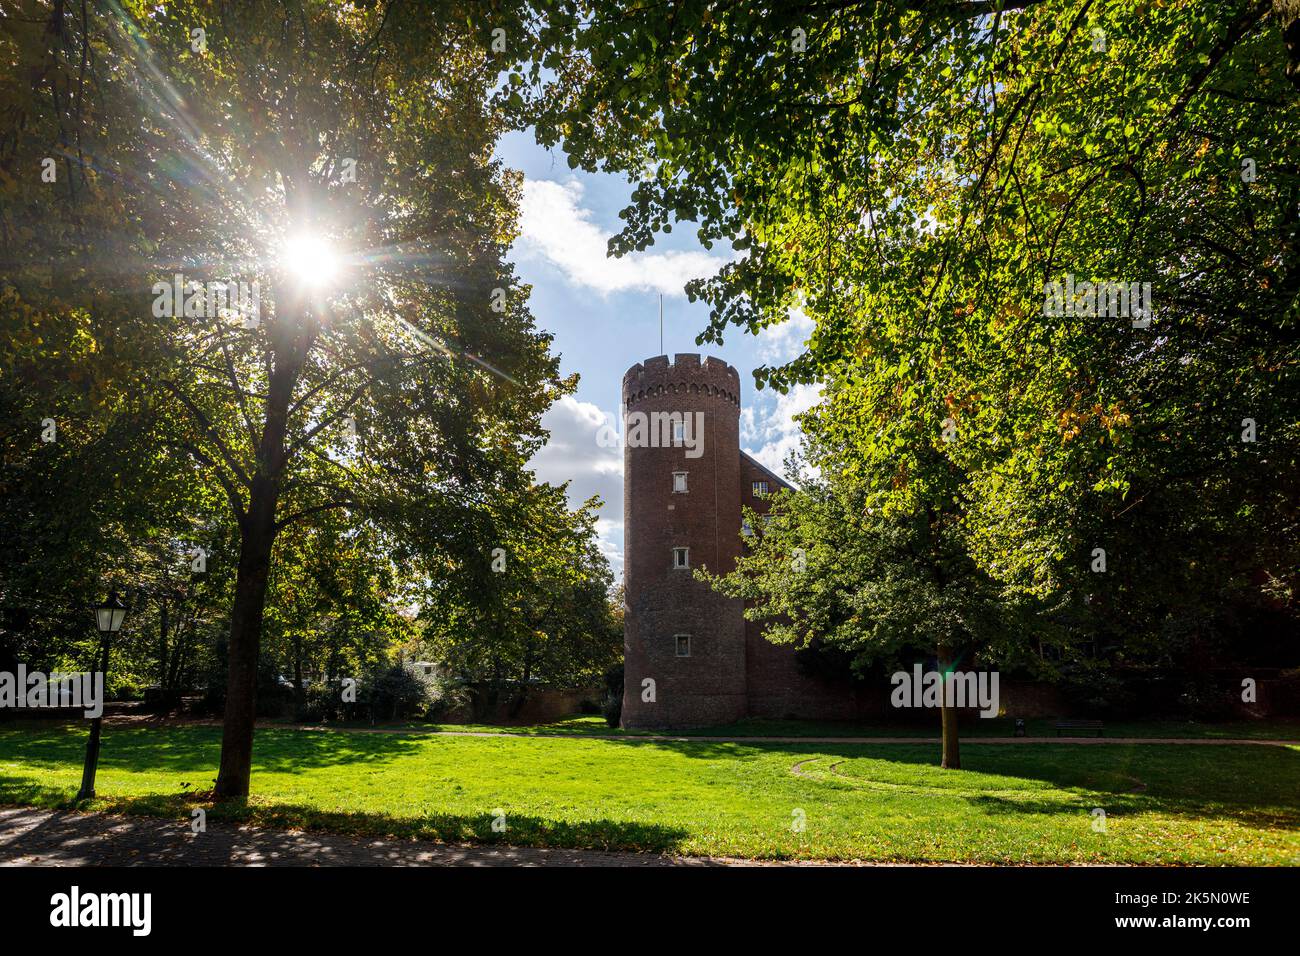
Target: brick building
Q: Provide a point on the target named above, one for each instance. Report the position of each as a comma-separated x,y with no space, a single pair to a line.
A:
685,480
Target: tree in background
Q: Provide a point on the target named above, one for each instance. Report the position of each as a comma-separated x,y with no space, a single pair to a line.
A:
339,603
541,613
826,571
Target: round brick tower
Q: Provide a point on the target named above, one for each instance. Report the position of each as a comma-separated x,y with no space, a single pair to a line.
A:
681,511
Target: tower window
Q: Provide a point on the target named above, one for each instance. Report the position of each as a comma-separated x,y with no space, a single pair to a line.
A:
683,645
681,557
759,488
679,482
679,433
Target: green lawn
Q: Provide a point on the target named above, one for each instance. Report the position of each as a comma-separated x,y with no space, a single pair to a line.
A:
1164,804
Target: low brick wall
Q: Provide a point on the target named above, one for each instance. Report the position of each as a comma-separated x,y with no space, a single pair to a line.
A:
810,699
542,705
1276,697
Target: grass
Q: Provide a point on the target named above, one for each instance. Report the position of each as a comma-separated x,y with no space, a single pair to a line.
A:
1164,804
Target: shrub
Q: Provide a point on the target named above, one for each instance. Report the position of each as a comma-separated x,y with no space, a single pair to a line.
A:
125,689
612,707
613,710
274,699
1202,700
1094,692
395,692
162,700
613,680
322,701
447,697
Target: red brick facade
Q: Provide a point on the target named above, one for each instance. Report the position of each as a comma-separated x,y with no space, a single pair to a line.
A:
707,665
706,685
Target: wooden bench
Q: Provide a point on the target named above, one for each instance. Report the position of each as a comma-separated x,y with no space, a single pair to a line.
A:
1080,725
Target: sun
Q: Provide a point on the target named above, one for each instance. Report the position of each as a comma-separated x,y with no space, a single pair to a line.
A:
311,261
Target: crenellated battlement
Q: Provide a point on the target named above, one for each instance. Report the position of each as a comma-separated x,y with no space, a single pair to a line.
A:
687,374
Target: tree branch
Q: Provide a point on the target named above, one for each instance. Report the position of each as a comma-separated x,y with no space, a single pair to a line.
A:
210,432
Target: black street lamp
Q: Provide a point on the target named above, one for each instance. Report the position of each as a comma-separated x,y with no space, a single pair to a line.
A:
108,618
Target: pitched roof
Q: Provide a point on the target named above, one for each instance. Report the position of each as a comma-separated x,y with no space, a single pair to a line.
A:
766,471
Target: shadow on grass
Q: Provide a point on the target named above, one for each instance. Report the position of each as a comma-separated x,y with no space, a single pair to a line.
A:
1121,805
974,727
1255,786
197,750
22,791
529,831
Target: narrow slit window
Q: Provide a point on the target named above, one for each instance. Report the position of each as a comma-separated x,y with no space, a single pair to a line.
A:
679,482
683,645
681,557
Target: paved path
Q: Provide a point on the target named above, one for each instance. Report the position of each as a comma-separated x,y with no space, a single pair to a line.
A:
151,722
123,720
31,837
146,721
664,738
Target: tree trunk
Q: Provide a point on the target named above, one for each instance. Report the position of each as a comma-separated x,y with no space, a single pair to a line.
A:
162,645
521,695
257,531
181,655
951,743
1287,13
299,698
176,659
245,645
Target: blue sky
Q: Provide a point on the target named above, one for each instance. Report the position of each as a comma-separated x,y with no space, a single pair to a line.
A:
604,314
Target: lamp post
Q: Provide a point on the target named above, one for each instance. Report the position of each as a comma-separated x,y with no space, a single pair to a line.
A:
108,618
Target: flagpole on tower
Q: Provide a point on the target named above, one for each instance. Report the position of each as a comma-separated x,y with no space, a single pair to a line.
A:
661,323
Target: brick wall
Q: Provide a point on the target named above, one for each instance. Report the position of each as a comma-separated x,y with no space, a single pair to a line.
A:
542,706
708,686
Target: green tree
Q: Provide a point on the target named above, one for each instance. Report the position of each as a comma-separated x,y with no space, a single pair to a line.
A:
914,177
826,571
335,605
341,158
543,611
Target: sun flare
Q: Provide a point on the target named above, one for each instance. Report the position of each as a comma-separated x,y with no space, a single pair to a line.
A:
310,260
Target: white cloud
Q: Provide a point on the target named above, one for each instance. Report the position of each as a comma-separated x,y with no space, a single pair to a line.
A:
555,227
574,454
767,426
778,431
609,536
778,344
